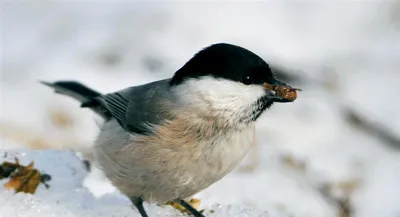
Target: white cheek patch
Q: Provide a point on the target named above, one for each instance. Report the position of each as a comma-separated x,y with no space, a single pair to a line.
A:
226,96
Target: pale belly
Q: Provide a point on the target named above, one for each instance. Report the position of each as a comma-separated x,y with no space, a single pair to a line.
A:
161,174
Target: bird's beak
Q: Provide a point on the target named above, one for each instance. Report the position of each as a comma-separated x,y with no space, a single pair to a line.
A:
282,92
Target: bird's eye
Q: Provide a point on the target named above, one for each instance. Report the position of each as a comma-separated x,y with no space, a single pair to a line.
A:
247,79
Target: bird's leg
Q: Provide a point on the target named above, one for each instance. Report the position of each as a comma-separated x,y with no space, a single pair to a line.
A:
189,208
138,202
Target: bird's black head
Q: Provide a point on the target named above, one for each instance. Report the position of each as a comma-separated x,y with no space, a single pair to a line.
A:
226,61
230,78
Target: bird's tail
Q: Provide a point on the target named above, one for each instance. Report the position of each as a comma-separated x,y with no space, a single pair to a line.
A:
85,95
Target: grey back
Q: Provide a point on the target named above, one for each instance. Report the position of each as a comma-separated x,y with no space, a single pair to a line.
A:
138,107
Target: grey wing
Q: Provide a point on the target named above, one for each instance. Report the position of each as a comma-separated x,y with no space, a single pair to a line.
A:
137,108
116,104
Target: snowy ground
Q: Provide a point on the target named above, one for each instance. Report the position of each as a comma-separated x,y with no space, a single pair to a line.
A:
308,158
68,197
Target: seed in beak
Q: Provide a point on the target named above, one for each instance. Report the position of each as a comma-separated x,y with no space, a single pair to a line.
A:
285,92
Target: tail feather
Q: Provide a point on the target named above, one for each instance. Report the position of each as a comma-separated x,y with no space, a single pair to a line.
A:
85,95
73,89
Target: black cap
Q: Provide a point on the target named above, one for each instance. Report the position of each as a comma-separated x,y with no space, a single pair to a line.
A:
225,61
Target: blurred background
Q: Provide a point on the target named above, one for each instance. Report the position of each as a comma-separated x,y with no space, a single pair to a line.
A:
333,152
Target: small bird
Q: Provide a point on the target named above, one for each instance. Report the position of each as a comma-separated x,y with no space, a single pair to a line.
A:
169,139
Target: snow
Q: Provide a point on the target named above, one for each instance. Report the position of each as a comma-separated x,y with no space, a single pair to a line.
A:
346,54
66,169
67,196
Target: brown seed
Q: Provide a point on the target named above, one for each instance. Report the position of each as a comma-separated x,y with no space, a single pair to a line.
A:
285,92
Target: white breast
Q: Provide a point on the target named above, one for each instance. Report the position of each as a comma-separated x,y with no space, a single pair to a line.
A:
225,153
157,174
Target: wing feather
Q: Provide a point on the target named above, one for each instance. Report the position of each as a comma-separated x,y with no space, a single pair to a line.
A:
138,107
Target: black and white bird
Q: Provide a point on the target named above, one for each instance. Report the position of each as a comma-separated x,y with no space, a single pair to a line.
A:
169,139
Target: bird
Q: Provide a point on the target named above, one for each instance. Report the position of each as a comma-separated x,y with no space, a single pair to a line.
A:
171,138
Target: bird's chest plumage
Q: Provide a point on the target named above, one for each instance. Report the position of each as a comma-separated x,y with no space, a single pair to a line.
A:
177,161
224,152
218,155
